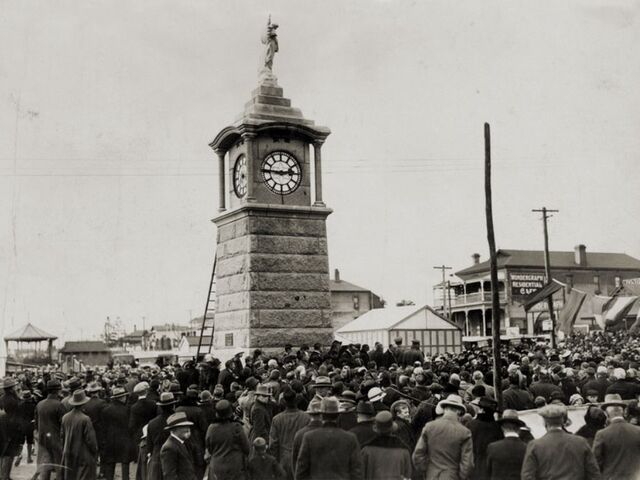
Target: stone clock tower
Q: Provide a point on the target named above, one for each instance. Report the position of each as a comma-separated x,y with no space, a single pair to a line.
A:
272,270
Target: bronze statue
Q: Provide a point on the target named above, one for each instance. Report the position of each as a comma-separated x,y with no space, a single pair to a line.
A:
270,40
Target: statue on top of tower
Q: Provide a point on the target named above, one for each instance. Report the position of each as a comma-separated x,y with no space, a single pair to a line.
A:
270,40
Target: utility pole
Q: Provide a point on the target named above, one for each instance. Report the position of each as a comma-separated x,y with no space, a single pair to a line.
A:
547,269
495,299
444,268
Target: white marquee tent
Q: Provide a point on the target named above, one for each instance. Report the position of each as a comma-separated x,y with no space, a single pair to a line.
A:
436,334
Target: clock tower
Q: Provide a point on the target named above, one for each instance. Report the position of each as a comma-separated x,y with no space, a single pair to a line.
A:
272,271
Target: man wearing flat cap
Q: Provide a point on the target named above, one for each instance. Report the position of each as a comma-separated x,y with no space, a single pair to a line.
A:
617,447
142,412
329,451
558,454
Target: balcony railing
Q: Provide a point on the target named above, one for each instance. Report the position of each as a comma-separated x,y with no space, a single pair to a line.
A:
469,299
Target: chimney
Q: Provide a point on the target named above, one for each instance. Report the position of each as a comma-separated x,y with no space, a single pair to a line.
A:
336,275
581,255
476,258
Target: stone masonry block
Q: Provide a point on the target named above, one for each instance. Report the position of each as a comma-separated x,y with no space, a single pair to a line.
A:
233,283
234,246
232,302
293,300
234,320
290,281
293,319
232,266
288,244
234,229
271,262
277,337
305,227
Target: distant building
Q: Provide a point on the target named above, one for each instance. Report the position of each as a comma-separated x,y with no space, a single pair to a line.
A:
90,353
467,300
349,301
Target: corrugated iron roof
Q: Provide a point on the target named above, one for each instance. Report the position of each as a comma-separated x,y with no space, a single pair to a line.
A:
85,347
387,318
29,333
564,260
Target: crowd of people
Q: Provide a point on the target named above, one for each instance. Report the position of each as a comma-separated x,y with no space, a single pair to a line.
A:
345,412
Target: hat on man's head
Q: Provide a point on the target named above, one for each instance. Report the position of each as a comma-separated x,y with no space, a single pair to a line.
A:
204,397
613,400
487,403
330,405
192,393
224,409
375,394
322,381
74,383
8,382
251,383
141,388
511,417
365,408
166,398
619,374
118,392
176,420
553,410
454,401
54,385
78,398
263,391
93,387
384,423
602,370
260,444
314,407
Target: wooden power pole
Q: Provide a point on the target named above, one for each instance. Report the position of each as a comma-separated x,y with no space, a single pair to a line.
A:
495,299
445,293
547,270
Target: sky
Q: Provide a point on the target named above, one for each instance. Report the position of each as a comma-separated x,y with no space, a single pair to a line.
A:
107,183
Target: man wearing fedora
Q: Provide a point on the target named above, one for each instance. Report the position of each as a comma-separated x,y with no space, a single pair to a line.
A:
283,429
505,457
558,455
12,427
385,456
444,449
157,435
196,416
177,462
49,413
80,447
313,410
484,430
617,447
365,415
261,414
119,444
329,452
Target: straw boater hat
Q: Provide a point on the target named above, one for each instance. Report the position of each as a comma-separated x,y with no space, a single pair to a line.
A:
177,420
322,381
375,394
613,400
166,398
454,401
78,398
118,392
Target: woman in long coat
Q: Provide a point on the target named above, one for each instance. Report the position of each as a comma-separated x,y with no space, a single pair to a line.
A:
227,444
118,442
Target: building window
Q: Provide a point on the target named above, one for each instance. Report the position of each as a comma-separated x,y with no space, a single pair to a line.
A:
356,302
596,283
618,281
228,340
569,281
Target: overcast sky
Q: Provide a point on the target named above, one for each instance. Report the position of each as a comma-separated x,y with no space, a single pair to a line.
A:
107,183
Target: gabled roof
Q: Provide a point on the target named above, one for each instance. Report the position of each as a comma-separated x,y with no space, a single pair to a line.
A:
388,318
344,286
85,347
564,260
29,333
193,341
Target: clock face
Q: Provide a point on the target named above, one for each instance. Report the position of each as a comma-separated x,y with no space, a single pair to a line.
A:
281,173
240,176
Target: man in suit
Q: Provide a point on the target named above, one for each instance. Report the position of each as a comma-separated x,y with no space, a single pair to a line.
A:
80,447
558,455
329,451
365,415
617,447
444,449
49,413
157,435
142,412
177,462
505,457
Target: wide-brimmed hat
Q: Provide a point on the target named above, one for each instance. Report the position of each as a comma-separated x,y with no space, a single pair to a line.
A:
74,383
384,423
314,407
166,398
487,403
78,398
330,405
176,420
613,400
118,392
375,394
224,409
348,396
53,385
8,382
511,416
365,408
263,391
454,401
322,382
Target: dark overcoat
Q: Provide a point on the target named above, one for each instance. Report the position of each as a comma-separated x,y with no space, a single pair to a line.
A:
504,458
156,436
80,447
12,424
118,442
176,461
49,413
195,443
141,413
229,448
483,432
617,450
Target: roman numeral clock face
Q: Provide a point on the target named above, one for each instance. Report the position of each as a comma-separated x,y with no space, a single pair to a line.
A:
281,173
240,176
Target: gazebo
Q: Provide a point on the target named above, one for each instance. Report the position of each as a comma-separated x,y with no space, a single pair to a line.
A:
31,334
